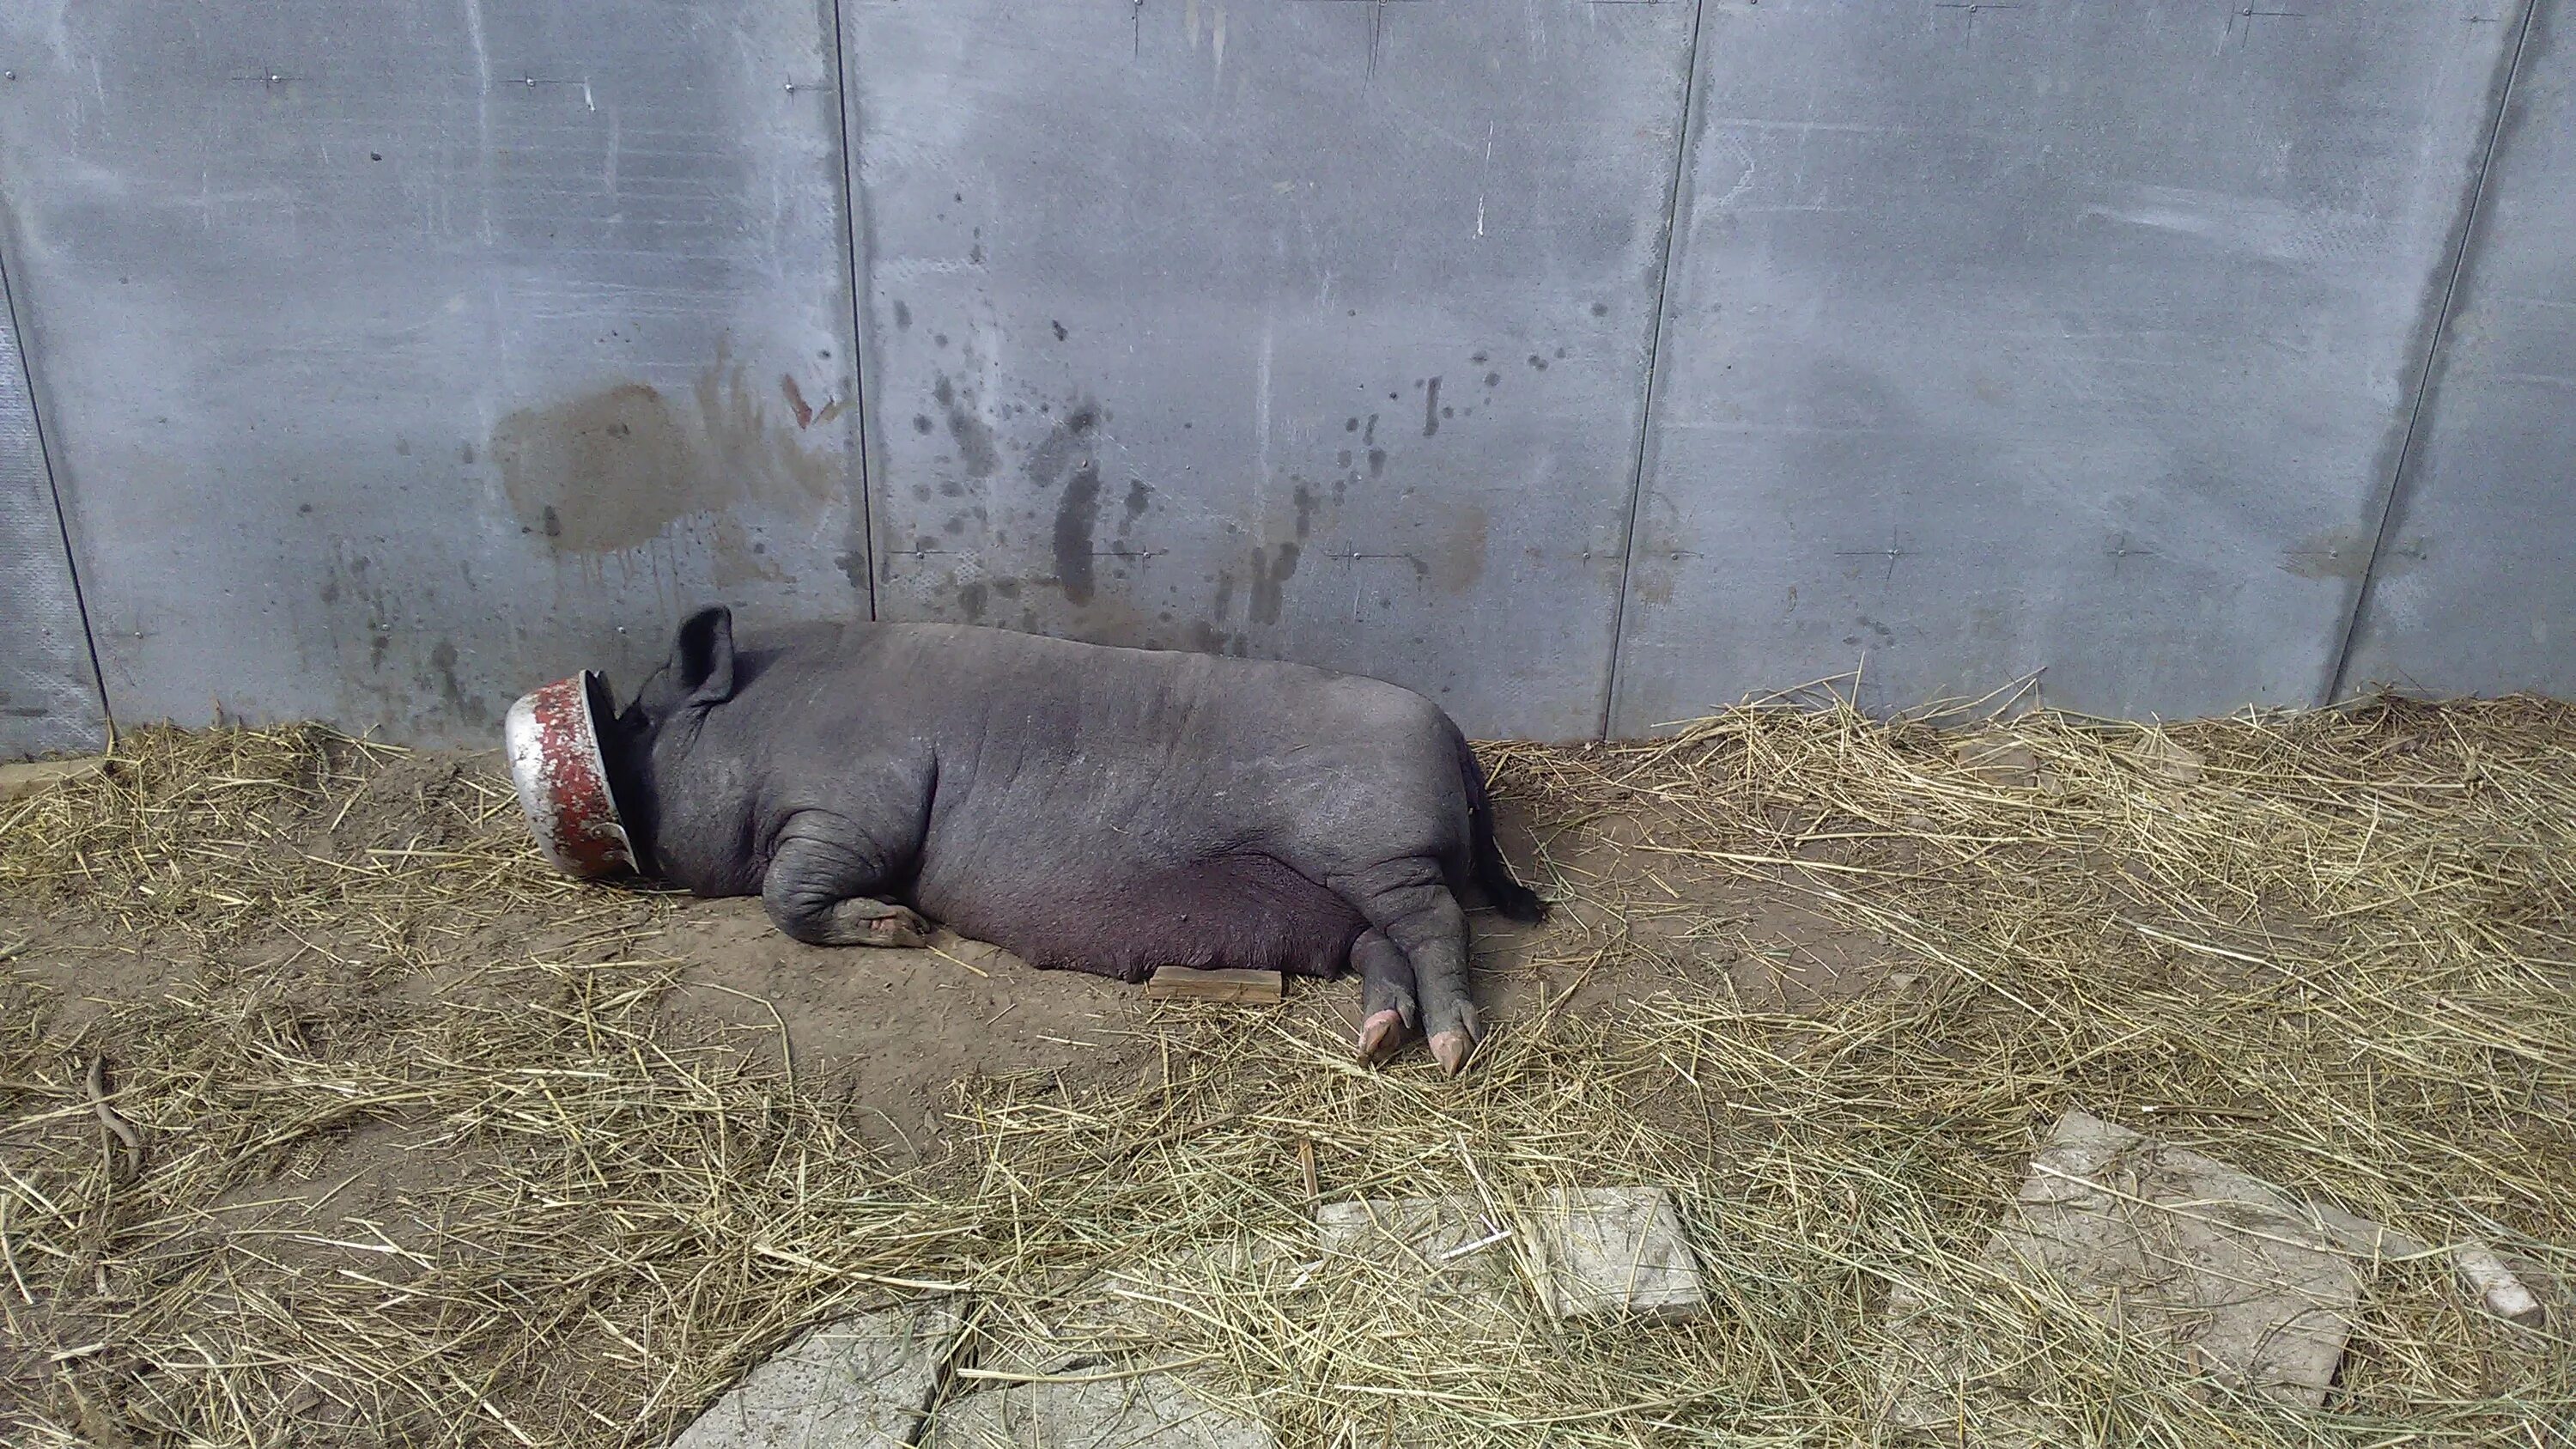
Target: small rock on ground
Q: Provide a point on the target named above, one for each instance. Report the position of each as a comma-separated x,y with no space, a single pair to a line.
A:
2170,762
1994,757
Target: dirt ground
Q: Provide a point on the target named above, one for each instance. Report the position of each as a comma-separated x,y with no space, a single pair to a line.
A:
435,1146
895,1032
894,1039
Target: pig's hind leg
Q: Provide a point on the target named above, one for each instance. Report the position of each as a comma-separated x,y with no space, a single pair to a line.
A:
1411,910
1388,1006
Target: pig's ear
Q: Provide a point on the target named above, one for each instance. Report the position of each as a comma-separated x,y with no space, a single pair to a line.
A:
702,658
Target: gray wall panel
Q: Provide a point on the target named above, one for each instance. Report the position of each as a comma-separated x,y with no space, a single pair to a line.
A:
393,358
49,699
2066,335
2475,587
399,357
1305,329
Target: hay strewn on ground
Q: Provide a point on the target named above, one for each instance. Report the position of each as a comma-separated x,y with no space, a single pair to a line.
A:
2337,949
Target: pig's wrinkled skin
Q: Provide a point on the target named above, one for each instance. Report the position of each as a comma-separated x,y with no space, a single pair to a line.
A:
1109,810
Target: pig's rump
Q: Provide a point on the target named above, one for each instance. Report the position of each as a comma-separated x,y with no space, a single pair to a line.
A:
1244,911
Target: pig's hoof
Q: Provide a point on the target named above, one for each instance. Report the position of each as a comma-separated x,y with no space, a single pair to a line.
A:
1380,1035
1452,1048
864,922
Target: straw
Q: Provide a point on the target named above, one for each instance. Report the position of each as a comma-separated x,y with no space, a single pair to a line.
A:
2331,948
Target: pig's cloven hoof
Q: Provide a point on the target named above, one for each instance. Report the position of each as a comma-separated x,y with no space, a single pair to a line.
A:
1380,1035
1452,1048
864,922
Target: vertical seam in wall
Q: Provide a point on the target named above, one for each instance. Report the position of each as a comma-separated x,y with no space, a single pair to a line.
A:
54,492
2433,352
1654,369
846,150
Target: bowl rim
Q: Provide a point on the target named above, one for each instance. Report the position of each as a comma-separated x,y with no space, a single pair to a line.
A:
541,756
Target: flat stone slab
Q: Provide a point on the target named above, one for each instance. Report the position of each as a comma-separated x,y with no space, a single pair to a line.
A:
1612,1250
1585,1252
1149,1411
861,1383
1451,1248
2226,1272
19,781
1135,1308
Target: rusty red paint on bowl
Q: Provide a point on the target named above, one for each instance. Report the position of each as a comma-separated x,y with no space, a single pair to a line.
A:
553,739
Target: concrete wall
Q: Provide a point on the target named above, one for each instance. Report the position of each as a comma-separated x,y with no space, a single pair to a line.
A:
394,357
2074,336
2473,583
1308,330
1582,364
49,698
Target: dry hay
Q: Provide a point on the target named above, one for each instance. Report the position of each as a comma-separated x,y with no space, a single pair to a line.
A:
2332,948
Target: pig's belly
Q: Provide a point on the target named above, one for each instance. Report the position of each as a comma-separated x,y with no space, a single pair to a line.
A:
1241,911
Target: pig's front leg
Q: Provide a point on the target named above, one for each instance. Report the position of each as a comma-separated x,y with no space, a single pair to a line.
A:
820,884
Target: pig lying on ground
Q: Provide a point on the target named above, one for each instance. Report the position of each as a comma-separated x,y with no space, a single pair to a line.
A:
1108,810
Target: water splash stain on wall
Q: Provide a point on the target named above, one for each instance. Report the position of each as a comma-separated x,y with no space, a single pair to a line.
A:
614,469
599,473
975,447
1461,559
1271,570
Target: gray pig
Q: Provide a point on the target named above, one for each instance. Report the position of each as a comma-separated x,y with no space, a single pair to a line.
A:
1108,810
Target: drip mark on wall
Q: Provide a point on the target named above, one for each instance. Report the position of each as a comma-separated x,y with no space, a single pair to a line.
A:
1074,518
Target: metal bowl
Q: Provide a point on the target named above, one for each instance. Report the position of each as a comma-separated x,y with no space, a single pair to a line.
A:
553,739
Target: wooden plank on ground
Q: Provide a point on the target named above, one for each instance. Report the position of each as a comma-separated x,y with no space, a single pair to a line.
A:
1176,983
